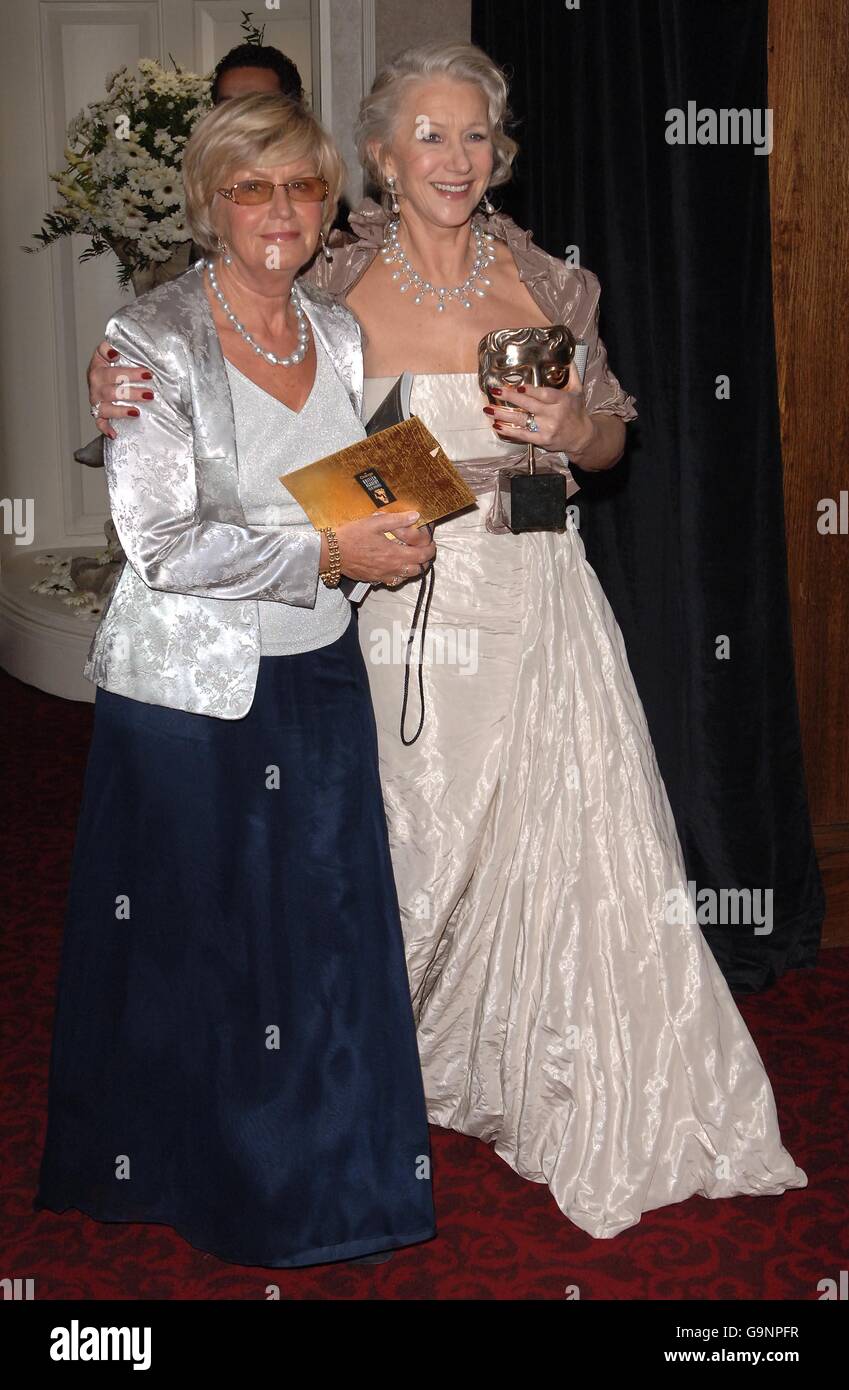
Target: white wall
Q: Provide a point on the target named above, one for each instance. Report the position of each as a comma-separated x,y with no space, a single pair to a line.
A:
402,23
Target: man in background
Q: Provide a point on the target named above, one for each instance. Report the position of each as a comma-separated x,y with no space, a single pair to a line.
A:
253,67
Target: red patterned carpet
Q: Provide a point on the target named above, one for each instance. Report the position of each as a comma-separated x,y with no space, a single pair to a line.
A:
499,1236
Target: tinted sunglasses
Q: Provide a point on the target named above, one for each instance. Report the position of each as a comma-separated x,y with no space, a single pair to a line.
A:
252,192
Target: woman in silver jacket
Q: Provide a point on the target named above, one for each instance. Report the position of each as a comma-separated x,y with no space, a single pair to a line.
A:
234,1052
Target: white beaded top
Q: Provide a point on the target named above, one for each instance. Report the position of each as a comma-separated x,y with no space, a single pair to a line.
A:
272,439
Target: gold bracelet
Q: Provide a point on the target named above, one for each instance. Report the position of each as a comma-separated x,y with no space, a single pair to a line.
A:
332,576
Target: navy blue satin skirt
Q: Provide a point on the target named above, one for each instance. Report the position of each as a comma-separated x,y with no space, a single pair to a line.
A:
234,1052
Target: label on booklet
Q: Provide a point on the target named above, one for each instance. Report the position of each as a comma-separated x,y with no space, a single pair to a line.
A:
371,481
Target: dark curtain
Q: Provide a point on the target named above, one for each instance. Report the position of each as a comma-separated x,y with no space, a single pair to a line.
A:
686,533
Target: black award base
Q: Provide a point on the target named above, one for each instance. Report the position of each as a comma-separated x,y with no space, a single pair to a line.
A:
533,501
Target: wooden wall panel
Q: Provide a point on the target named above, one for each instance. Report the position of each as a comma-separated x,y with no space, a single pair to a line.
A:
809,192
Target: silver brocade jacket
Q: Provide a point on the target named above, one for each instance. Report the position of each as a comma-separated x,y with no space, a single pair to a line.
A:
182,626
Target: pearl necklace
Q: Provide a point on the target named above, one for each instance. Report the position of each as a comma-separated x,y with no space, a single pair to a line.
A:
393,254
300,351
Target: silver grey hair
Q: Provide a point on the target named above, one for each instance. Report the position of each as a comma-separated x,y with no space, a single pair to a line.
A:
463,62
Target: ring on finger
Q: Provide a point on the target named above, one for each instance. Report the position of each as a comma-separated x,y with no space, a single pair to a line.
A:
532,423
95,410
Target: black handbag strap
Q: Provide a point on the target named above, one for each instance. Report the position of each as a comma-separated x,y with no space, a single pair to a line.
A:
425,584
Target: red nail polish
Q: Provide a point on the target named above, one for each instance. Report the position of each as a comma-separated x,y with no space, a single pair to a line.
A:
147,376
112,353
496,390
488,410
521,388
147,395
132,412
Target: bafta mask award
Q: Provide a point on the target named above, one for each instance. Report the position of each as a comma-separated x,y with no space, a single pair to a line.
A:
532,498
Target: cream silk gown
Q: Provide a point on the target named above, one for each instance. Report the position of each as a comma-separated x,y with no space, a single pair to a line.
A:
569,1010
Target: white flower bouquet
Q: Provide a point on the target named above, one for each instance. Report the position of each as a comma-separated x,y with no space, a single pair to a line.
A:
121,185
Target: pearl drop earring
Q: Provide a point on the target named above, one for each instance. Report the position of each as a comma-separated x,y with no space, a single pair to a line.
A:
221,248
390,184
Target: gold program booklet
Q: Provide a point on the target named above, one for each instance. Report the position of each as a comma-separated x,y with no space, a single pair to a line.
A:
402,468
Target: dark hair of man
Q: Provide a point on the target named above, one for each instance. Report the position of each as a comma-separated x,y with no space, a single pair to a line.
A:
252,55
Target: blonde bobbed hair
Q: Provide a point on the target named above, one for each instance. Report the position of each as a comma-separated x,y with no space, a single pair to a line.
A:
261,129
463,62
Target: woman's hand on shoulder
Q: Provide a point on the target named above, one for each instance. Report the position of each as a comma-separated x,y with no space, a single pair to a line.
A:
365,552
115,389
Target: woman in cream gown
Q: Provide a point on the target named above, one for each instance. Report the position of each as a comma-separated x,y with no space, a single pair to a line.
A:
568,1008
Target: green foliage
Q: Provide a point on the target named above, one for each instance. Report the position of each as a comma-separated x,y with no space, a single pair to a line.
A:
252,34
